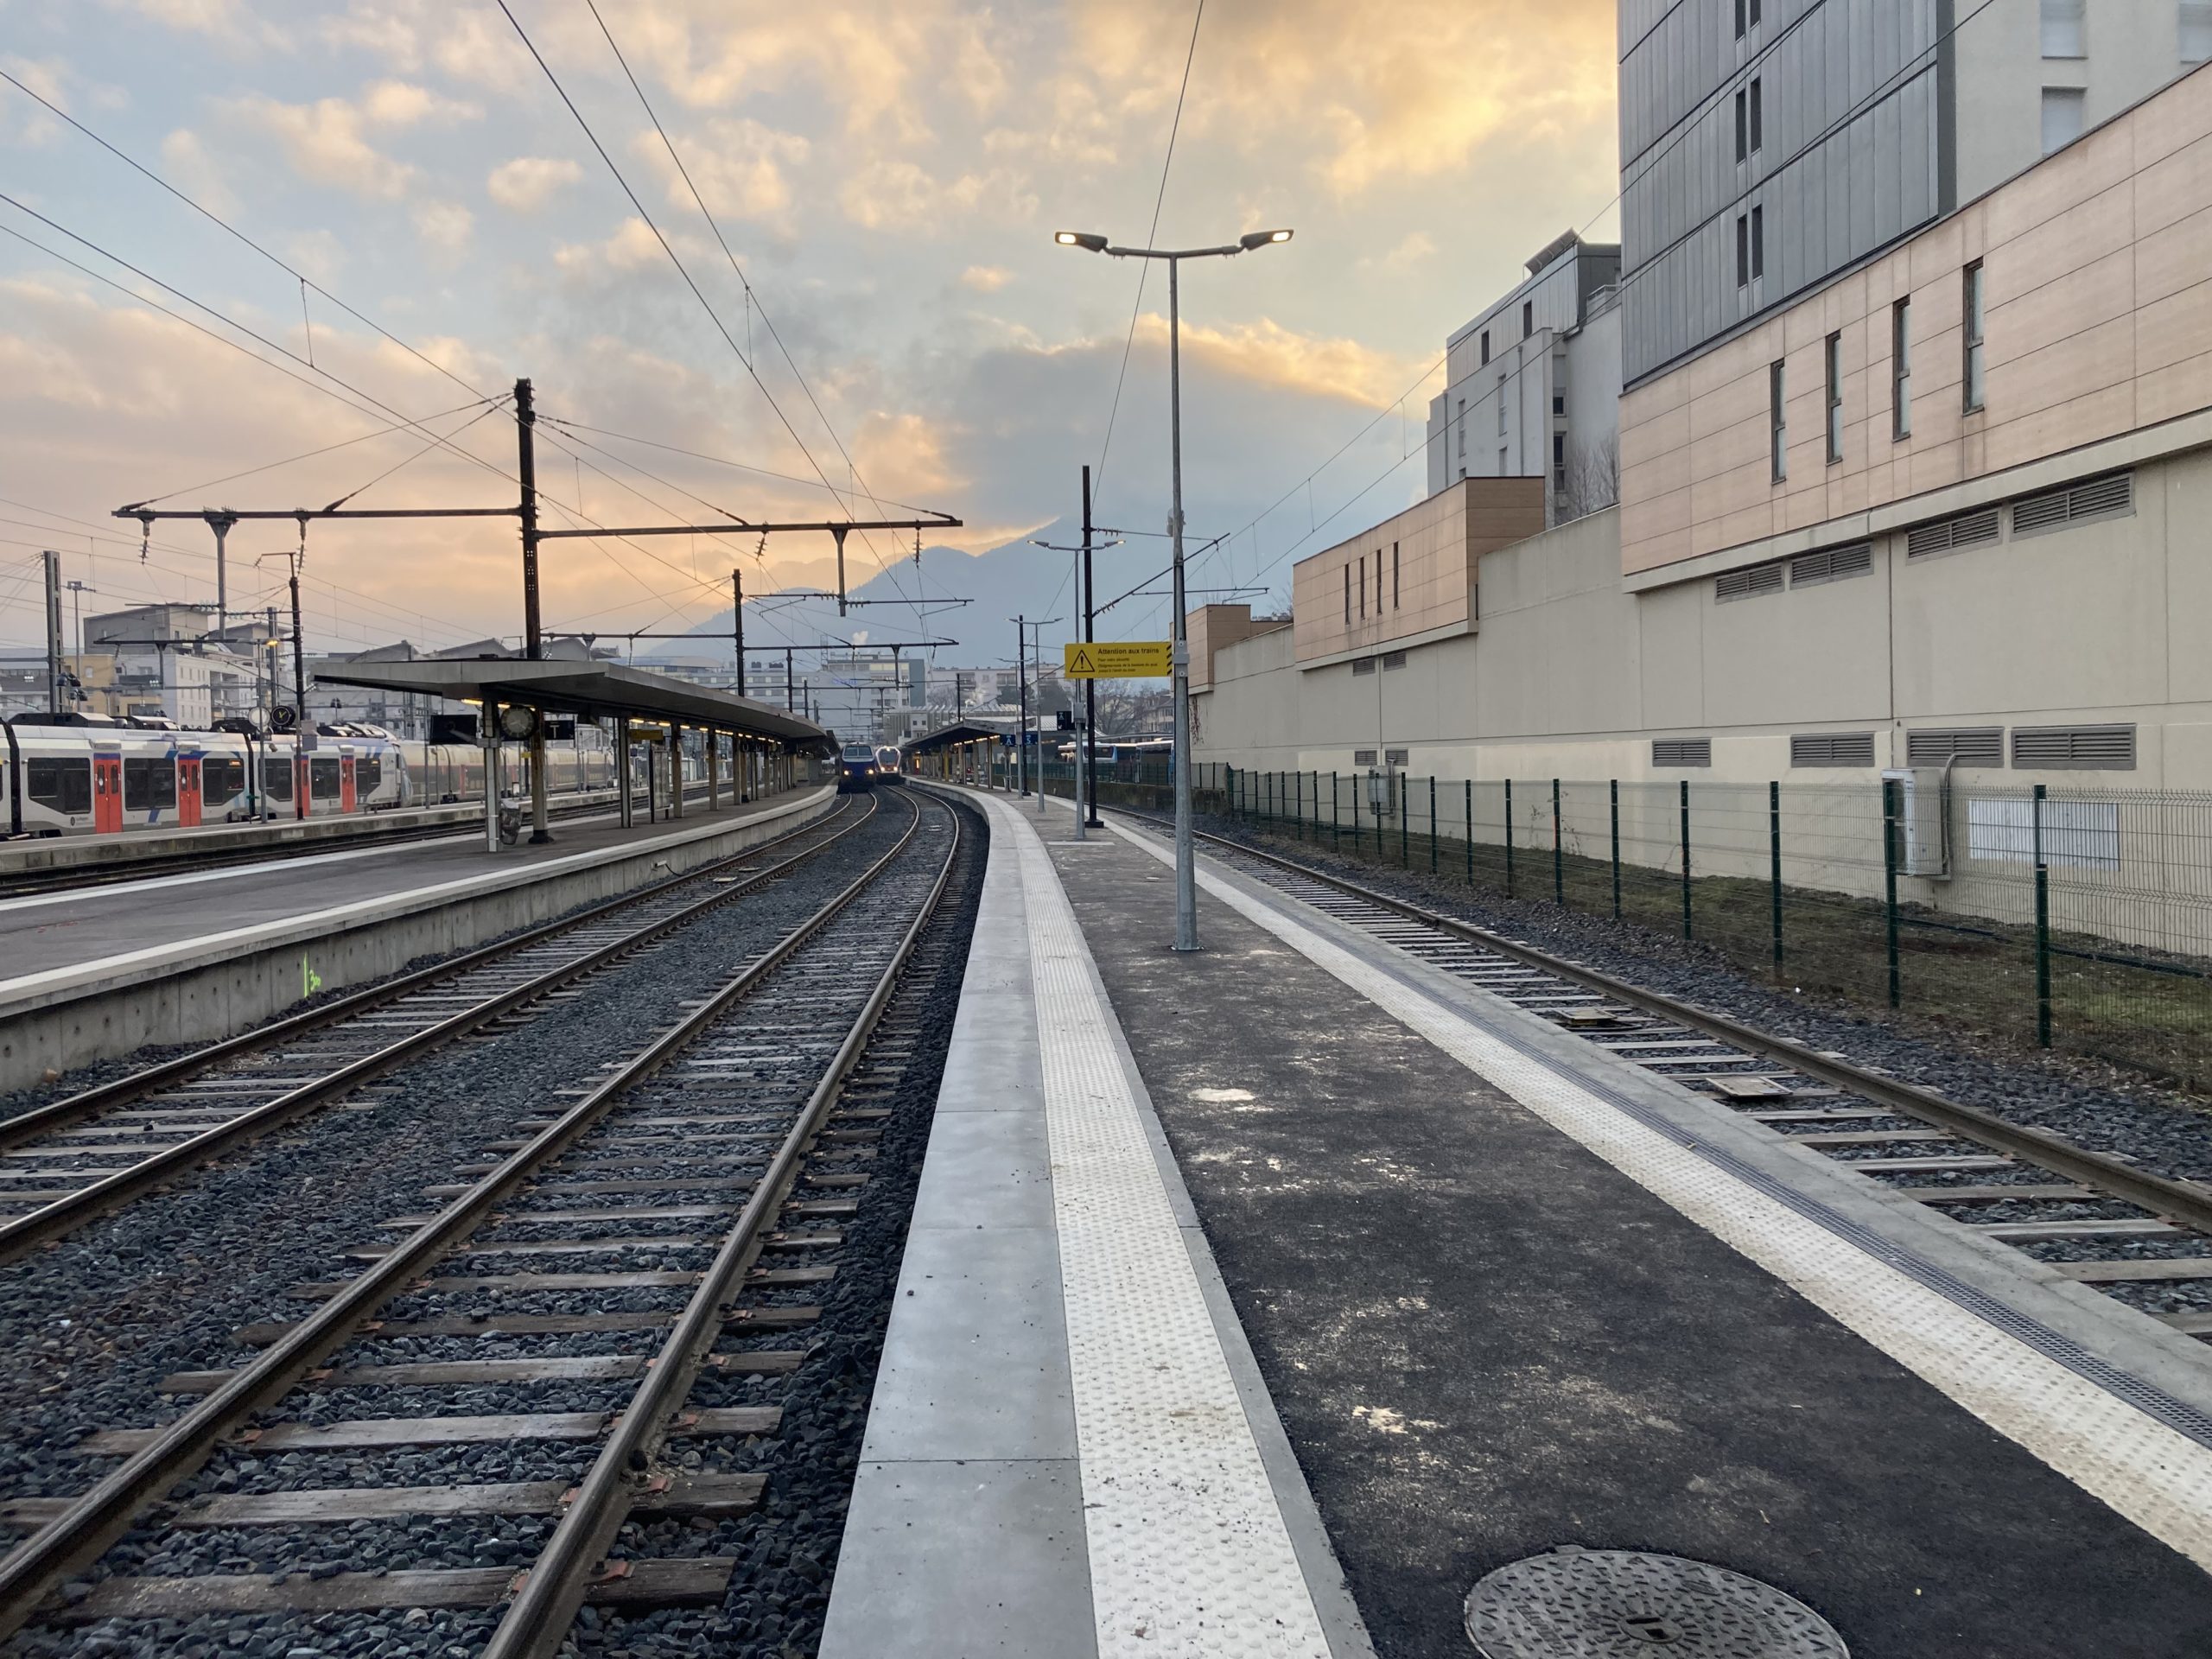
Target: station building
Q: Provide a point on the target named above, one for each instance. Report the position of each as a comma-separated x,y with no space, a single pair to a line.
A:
1947,503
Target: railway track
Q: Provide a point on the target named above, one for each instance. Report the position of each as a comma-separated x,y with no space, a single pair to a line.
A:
70,1160
2089,1216
726,1154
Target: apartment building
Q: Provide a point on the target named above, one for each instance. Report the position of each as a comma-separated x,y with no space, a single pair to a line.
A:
1532,385
1767,145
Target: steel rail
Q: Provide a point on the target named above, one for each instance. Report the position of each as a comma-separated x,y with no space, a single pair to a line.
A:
94,1521
2181,1202
538,1621
24,1233
73,1109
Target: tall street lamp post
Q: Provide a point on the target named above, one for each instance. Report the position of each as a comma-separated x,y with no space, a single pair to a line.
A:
1186,880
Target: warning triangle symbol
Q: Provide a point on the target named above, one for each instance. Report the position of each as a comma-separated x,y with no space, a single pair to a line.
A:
1081,660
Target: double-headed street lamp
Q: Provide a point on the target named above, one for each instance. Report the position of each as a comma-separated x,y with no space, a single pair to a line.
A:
1186,880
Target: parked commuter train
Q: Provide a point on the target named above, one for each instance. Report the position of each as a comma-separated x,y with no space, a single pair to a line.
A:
104,776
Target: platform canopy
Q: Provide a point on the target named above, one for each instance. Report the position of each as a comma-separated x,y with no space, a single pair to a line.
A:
593,691
945,737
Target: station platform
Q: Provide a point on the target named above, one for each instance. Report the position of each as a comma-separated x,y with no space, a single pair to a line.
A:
346,915
1263,1299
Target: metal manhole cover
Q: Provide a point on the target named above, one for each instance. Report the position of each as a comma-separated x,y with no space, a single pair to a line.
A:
1624,1604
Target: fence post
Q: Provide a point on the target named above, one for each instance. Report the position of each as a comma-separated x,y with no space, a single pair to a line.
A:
1405,820
1359,846
1470,832
1509,837
1890,878
1559,869
1774,865
1613,789
1686,858
1432,823
1336,836
2043,931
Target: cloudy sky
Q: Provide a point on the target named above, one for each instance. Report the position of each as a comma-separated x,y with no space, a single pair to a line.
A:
887,173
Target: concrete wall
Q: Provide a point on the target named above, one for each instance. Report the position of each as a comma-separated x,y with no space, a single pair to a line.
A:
1572,675
2099,322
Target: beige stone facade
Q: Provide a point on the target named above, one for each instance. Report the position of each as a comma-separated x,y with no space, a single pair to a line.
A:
2097,273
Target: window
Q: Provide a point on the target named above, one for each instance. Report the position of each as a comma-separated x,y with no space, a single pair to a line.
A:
1832,749
1501,406
276,778
1362,665
1972,333
1831,564
1972,746
1559,401
2108,497
322,777
1393,575
1758,116
1835,398
2061,28
1528,318
1739,19
2061,116
2075,748
60,785
1901,370
1755,14
1378,581
1758,243
1485,346
368,774
222,777
1363,587
1502,473
2195,31
1950,534
1559,462
1743,125
1463,429
149,785
1682,751
1347,595
1393,659
1777,427
1759,580
1743,249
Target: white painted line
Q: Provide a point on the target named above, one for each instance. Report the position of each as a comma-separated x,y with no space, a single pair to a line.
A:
2160,1480
1189,1551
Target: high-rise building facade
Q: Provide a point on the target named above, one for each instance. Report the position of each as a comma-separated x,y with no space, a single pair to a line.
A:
1767,145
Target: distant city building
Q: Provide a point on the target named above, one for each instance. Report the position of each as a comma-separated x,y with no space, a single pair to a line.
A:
1533,385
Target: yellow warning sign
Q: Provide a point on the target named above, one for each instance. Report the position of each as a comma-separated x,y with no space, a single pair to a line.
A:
1119,659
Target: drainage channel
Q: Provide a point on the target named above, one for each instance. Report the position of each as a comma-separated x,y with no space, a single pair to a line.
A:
65,1163
597,1320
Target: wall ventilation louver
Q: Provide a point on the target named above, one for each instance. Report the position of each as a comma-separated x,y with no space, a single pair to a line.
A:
2075,748
1362,757
1362,665
1393,659
1835,564
2097,498
1971,746
1394,757
1832,749
1950,534
1748,584
1682,751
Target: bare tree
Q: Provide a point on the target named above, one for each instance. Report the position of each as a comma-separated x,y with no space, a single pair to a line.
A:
1594,478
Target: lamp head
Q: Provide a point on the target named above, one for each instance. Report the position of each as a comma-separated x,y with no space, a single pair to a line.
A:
1080,239
1252,239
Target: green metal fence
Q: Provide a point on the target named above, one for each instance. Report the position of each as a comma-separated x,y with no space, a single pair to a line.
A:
2079,920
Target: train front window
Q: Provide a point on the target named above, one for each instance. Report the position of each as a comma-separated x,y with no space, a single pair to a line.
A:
149,785
368,772
322,777
60,785
276,780
221,776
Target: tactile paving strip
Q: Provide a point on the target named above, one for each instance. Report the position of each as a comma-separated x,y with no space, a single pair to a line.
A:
2159,1478
1189,1553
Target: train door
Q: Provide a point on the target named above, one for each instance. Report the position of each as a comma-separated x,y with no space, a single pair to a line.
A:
107,794
302,784
347,797
187,791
